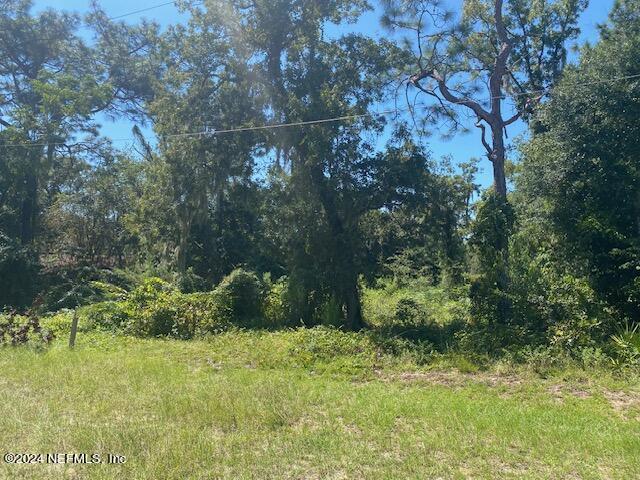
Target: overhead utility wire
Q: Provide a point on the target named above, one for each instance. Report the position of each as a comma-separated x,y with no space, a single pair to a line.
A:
307,122
153,7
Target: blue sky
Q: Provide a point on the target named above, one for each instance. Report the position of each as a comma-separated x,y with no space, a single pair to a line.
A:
462,147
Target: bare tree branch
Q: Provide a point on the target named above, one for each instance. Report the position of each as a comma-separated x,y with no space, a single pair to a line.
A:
486,145
447,94
515,117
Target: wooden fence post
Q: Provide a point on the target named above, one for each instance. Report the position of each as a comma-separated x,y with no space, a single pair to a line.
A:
74,329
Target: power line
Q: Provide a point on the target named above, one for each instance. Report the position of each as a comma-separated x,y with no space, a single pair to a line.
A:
153,7
370,114
142,10
250,128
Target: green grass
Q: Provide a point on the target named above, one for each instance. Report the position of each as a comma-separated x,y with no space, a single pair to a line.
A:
303,404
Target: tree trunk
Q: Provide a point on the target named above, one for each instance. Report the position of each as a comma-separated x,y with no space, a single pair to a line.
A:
346,281
498,160
502,248
353,309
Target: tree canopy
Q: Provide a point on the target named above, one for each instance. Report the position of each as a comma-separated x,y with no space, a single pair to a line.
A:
259,144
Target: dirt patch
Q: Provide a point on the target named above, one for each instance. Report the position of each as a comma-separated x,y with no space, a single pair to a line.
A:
454,378
623,401
560,392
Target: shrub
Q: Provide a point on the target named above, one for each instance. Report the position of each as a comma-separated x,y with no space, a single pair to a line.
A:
626,345
156,308
561,307
419,352
203,313
417,304
276,306
23,330
411,265
409,313
378,305
190,282
73,287
109,315
58,323
240,294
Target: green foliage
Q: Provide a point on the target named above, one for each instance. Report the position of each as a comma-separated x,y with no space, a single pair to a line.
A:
324,345
566,308
418,303
276,305
156,308
23,330
87,223
361,234
490,297
241,293
189,282
416,319
580,172
19,270
626,345
109,315
409,312
73,287
330,313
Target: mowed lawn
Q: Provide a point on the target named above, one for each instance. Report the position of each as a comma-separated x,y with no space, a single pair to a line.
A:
234,408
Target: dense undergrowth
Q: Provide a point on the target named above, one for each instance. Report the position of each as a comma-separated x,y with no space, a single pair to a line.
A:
413,324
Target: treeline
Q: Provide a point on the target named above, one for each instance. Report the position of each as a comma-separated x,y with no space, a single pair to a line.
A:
327,208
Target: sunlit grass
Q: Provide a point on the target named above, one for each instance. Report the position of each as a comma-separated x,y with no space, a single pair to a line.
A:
251,405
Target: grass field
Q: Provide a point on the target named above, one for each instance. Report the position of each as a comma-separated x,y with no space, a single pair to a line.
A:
284,405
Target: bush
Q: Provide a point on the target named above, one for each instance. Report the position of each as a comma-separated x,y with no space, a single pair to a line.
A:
157,309
204,313
276,305
626,345
410,313
23,330
416,304
240,294
190,282
74,287
109,315
561,307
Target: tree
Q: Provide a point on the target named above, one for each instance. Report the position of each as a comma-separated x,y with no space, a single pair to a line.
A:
52,84
86,223
579,175
47,92
421,236
496,51
305,74
204,87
